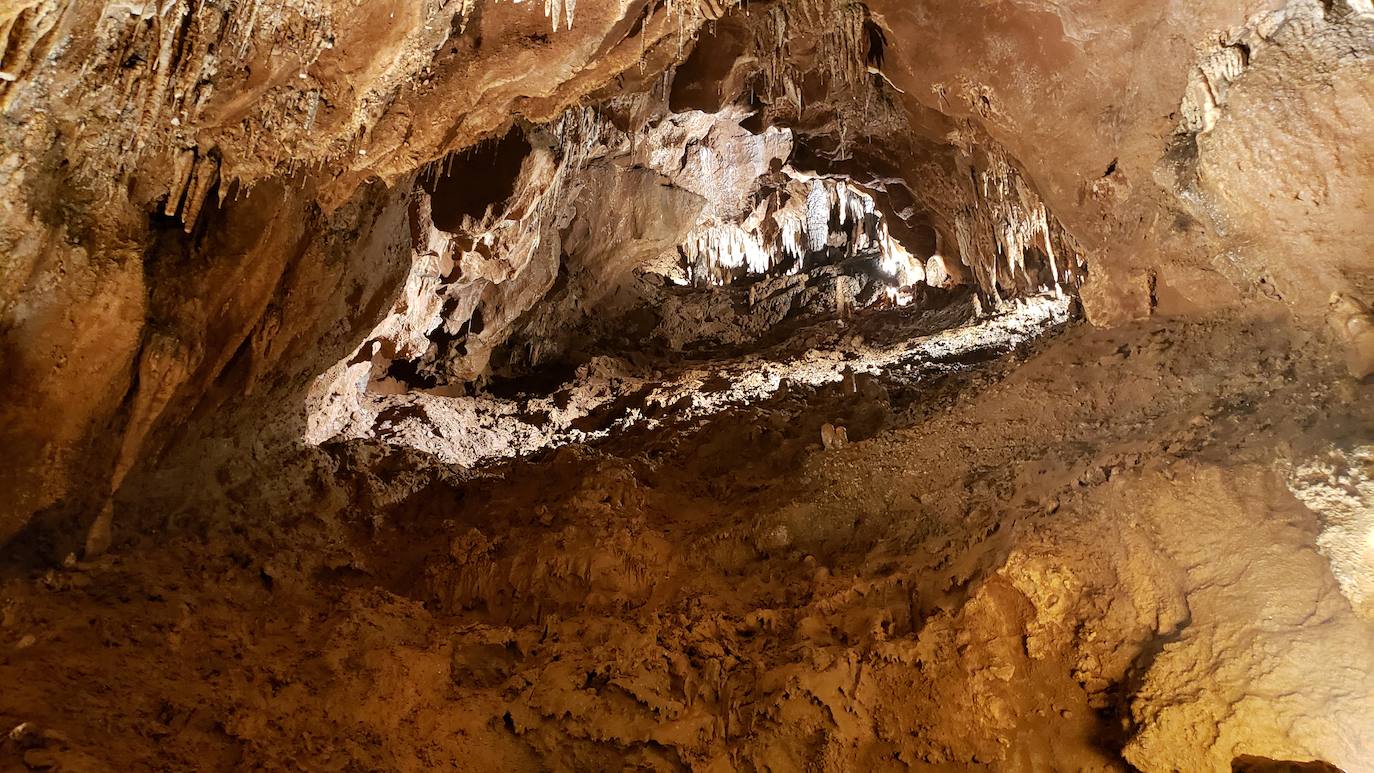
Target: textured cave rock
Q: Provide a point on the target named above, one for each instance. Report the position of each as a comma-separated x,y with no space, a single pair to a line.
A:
805,384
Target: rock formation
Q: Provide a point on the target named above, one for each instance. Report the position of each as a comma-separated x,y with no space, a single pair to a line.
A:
804,384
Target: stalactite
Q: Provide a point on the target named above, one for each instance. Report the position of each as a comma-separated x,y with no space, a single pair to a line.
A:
560,9
24,35
1006,226
842,43
716,253
817,215
722,249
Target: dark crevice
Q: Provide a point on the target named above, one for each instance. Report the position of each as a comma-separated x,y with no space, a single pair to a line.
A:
469,182
408,372
877,44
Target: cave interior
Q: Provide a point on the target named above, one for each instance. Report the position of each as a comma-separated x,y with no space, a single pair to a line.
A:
688,385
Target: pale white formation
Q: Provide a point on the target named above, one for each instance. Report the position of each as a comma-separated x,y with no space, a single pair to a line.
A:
1339,486
786,233
475,430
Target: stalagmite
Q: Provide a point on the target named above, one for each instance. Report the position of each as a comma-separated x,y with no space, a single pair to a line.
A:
833,437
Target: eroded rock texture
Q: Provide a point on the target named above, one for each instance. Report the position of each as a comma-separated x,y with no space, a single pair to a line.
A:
805,384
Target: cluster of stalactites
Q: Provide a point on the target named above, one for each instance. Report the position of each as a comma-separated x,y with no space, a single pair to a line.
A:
457,272
554,9
689,13
579,135
837,25
151,83
1012,223
897,262
717,253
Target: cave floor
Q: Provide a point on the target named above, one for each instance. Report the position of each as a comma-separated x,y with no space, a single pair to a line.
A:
1079,556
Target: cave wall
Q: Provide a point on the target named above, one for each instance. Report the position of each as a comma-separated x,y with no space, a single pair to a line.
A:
175,178
126,123
1099,103
193,232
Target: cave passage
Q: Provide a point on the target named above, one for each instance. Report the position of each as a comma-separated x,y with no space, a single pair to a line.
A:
783,279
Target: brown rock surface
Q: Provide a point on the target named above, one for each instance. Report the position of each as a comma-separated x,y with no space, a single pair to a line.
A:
796,385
